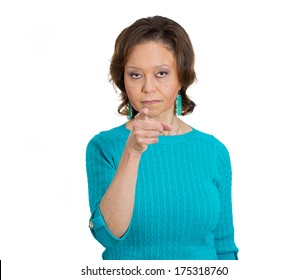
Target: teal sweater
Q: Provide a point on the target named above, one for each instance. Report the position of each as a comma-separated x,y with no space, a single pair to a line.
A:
183,207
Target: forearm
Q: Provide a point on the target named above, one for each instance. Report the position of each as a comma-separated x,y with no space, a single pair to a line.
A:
117,204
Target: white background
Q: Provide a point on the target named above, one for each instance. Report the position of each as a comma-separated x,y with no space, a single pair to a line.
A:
252,68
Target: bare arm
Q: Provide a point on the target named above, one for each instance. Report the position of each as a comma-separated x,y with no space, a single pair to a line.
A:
117,204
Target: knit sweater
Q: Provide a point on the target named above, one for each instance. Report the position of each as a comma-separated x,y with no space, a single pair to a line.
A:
183,208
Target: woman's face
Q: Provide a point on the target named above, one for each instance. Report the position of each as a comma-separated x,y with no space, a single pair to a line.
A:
151,80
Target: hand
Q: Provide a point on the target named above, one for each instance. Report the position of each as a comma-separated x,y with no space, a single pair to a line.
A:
145,132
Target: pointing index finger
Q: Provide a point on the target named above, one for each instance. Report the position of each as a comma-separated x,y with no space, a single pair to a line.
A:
143,114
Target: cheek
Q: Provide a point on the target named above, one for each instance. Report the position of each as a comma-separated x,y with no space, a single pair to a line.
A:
171,101
132,92
171,94
131,86
133,96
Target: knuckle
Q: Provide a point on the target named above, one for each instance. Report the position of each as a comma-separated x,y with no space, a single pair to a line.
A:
136,125
138,138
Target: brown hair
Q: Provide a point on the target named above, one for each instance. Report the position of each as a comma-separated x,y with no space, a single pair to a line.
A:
154,29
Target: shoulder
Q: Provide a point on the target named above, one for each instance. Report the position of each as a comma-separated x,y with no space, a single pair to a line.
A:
105,138
119,132
207,137
214,143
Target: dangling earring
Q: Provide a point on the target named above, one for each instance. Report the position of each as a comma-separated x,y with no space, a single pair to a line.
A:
130,111
178,104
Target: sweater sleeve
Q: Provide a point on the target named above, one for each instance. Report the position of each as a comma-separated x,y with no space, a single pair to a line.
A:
224,232
101,169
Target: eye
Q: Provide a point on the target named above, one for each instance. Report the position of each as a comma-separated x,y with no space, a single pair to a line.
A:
162,74
135,75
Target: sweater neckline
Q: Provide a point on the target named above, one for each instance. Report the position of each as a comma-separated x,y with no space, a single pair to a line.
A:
169,139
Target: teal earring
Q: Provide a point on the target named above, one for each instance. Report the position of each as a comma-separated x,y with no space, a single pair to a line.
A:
130,111
178,104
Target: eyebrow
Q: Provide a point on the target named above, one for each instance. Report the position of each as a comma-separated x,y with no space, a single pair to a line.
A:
158,66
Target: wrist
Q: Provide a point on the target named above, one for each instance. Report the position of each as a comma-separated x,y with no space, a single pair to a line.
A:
132,154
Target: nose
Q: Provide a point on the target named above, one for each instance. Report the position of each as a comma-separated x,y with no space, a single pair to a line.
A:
149,85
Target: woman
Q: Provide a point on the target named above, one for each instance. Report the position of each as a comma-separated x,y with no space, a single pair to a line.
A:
158,188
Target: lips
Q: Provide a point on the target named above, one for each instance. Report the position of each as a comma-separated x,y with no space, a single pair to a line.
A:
150,102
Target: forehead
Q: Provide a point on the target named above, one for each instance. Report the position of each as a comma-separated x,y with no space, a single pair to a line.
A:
150,52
